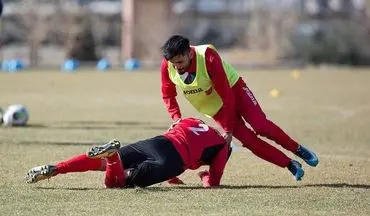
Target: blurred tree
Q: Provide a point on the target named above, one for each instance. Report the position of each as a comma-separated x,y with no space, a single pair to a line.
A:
337,34
80,40
36,29
330,41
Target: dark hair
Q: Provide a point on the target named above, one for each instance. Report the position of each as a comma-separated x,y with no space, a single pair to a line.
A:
175,45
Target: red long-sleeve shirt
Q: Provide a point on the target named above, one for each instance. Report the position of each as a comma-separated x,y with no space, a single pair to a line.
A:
199,144
219,81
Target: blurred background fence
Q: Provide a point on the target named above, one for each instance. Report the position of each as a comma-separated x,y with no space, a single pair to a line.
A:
46,32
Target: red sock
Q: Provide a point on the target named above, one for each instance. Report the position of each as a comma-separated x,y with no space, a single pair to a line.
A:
114,173
79,163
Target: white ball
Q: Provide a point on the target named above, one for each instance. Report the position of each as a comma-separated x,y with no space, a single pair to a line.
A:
15,115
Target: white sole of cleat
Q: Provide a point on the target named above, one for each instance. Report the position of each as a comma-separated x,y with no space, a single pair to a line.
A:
39,173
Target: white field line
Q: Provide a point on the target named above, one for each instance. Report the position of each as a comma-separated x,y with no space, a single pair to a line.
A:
345,113
348,157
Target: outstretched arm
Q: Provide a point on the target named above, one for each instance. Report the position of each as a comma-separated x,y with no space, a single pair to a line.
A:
169,93
221,84
213,177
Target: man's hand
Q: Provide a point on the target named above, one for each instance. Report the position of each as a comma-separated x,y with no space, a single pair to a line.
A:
174,123
204,177
177,121
228,136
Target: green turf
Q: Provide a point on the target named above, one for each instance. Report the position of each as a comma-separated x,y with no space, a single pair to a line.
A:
327,109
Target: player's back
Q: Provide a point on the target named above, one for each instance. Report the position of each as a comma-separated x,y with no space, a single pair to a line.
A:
197,142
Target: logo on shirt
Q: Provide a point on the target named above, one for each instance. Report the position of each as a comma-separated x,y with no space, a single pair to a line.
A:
193,91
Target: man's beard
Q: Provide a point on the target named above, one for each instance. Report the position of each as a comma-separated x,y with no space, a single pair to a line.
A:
185,68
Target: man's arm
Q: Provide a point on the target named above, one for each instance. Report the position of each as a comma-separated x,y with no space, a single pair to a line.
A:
221,85
216,169
169,93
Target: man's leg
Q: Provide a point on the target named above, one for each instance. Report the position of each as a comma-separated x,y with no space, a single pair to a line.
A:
260,148
114,172
266,151
252,113
79,163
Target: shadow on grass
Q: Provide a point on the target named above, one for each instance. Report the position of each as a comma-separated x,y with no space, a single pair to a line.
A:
339,185
136,189
72,188
62,143
228,187
97,125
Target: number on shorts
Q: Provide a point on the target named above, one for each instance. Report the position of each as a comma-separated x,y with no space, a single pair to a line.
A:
200,128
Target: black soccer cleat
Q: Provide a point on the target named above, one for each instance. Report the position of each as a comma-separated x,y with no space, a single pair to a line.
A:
40,173
104,151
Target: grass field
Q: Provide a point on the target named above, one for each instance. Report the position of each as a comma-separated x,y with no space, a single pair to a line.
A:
329,110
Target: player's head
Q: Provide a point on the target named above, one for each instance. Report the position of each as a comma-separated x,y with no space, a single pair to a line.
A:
177,51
